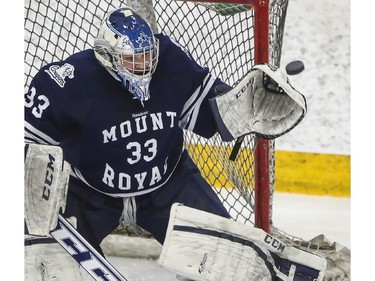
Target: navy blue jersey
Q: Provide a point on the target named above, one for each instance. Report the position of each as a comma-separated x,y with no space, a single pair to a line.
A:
115,144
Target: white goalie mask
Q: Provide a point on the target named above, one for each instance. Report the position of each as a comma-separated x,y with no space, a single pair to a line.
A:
126,45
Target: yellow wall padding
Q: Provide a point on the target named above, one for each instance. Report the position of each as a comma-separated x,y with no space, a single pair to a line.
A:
313,173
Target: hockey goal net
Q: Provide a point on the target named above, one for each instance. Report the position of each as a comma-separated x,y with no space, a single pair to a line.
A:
229,37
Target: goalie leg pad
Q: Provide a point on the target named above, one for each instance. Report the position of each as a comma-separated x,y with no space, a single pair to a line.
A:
206,247
46,185
49,261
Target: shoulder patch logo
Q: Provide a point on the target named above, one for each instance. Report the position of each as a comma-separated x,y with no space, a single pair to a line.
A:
59,73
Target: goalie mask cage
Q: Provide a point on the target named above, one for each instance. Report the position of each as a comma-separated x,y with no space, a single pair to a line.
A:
228,36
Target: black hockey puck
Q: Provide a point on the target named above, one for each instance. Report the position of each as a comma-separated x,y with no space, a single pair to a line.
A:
295,67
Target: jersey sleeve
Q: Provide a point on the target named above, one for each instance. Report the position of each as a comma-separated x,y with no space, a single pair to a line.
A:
39,115
197,115
45,110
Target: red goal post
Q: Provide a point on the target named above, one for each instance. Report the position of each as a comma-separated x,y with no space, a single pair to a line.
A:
263,154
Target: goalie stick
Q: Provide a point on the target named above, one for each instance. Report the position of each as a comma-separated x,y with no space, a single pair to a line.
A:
91,261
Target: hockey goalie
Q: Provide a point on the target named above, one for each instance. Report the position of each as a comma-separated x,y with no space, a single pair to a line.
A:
104,132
